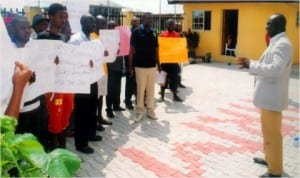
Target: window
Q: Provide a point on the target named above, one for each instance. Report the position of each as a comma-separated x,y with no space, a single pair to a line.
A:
201,20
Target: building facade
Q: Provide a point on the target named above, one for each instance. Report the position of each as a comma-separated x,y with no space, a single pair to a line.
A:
244,20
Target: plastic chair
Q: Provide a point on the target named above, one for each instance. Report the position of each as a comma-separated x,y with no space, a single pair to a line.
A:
230,50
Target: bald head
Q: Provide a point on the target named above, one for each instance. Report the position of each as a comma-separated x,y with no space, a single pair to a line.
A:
100,23
88,24
276,24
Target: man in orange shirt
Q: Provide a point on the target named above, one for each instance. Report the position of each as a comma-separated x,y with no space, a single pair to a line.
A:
172,69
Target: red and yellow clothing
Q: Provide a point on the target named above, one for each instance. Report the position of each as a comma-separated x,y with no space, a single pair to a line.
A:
60,107
168,34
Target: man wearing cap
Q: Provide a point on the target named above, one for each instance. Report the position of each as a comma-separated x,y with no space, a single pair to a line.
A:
39,24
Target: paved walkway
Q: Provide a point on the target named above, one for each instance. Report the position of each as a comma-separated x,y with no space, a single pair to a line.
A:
215,132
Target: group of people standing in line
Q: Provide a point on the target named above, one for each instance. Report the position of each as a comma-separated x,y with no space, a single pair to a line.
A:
53,116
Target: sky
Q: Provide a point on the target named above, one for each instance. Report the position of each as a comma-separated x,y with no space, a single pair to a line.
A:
137,5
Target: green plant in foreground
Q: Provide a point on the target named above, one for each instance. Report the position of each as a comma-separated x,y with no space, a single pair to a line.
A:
23,156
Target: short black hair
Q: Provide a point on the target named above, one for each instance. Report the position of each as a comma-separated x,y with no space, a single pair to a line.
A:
54,8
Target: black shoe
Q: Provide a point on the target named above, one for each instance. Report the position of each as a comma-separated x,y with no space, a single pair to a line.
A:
129,107
110,114
105,122
100,128
182,86
96,138
86,150
260,161
176,98
119,109
269,175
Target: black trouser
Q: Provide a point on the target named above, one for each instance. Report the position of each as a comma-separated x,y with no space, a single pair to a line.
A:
30,122
172,76
130,88
85,115
35,121
113,90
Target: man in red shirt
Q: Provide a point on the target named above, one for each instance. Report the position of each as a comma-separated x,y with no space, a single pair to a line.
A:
172,69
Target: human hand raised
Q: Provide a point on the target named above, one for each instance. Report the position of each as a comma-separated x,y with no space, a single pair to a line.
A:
22,75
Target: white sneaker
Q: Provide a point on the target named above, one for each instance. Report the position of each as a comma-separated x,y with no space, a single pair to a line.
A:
152,116
138,117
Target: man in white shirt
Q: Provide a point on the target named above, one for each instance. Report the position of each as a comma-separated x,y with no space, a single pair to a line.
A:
85,110
272,72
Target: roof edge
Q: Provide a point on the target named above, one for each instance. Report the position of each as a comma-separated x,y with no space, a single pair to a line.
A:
231,1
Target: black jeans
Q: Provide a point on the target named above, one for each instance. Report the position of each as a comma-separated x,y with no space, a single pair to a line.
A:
85,116
113,89
172,75
130,88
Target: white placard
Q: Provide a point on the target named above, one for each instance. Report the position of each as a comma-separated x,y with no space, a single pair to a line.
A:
58,67
75,9
111,41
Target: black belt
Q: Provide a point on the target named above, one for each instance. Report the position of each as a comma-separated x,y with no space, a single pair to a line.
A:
32,101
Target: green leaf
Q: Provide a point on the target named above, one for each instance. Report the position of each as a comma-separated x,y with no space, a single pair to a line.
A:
7,124
27,144
59,163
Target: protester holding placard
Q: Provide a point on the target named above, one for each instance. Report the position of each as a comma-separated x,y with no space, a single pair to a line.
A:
59,105
31,114
172,69
85,111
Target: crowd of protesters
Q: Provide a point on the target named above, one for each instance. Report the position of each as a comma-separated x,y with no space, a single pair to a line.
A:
52,117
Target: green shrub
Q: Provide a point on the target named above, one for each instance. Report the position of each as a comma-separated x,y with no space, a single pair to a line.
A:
23,156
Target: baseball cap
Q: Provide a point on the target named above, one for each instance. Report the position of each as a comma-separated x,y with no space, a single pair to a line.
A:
38,18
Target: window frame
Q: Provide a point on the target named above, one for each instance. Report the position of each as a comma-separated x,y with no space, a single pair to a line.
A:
201,20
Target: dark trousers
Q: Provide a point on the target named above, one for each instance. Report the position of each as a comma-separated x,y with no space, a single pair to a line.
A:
172,76
85,116
35,122
30,122
130,88
113,89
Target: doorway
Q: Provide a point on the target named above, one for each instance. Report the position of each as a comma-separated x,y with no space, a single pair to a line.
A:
230,30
